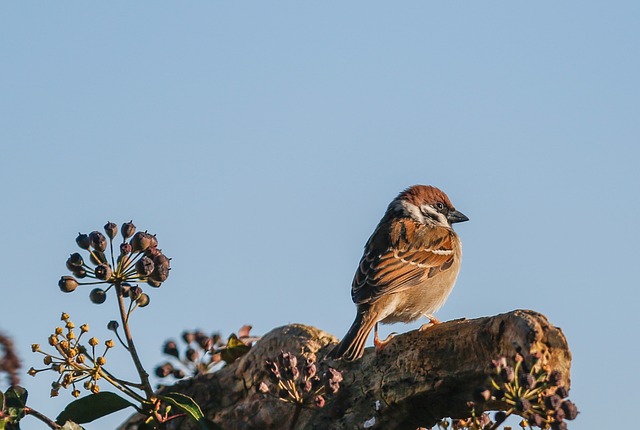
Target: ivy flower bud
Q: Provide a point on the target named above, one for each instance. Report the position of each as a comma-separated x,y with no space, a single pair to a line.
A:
84,328
103,272
287,360
79,272
98,296
507,374
145,266
125,248
140,241
162,260
113,325
309,370
75,260
67,284
164,370
93,341
306,385
570,409
75,393
332,378
538,421
143,300
152,283
523,405
32,372
562,392
98,241
109,343
192,354
527,381
170,348
35,347
125,289
160,273
500,417
552,402
135,292
555,378
153,241
83,241
101,361
111,230
127,230
188,337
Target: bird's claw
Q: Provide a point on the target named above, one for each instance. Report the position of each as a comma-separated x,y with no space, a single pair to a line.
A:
432,321
381,344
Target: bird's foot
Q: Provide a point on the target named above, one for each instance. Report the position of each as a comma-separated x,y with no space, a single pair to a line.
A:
432,321
381,344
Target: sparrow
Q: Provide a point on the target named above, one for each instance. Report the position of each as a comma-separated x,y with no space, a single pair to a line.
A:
409,266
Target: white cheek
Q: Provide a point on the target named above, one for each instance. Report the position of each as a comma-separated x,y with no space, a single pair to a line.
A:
409,209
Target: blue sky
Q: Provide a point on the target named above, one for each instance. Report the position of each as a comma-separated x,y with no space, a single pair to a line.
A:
262,142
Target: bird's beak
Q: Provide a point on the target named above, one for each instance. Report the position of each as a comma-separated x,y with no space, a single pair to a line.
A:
457,216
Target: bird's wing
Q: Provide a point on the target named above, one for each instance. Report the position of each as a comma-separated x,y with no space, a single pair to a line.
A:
401,256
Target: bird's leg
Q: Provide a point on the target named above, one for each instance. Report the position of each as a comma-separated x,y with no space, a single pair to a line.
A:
381,344
432,321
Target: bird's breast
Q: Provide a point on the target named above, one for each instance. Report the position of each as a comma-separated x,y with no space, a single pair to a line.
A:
425,298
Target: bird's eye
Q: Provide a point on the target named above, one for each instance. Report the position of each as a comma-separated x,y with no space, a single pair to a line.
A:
440,205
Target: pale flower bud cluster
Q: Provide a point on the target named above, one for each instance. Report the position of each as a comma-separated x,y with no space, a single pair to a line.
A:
76,364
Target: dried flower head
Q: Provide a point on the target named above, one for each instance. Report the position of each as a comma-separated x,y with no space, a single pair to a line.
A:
297,381
529,391
139,260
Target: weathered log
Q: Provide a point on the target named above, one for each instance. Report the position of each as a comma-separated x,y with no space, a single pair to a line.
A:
419,378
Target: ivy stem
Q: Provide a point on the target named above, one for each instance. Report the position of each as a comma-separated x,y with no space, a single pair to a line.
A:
144,376
296,415
48,421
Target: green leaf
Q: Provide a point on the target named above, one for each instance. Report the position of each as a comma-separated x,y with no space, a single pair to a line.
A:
15,400
191,408
16,397
91,407
235,349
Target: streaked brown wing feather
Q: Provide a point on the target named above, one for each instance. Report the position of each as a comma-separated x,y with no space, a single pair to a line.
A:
399,257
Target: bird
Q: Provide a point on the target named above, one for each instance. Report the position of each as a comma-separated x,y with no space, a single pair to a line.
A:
408,268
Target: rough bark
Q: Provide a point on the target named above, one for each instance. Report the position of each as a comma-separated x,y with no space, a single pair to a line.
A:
419,378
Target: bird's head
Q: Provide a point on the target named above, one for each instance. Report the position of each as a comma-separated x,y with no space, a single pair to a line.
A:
427,205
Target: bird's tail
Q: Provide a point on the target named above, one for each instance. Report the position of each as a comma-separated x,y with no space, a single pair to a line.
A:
352,345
